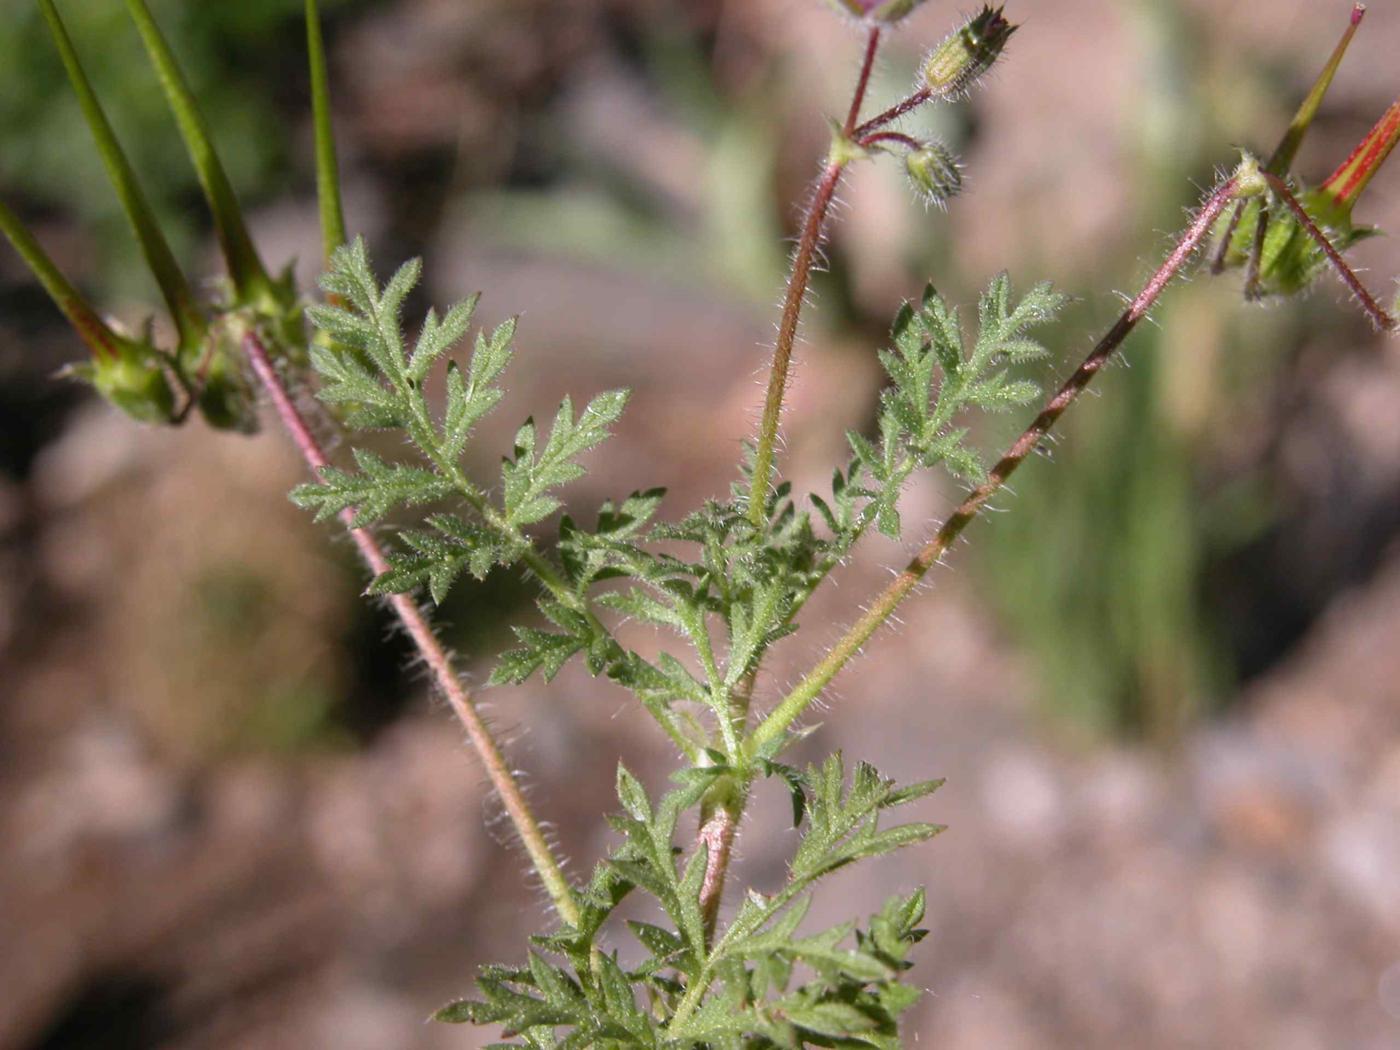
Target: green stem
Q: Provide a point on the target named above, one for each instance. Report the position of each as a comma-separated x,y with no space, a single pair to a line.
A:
791,707
95,333
190,322
245,267
327,167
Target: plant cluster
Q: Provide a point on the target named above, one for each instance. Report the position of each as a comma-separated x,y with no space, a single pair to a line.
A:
726,582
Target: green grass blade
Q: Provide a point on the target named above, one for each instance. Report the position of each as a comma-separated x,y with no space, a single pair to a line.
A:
245,268
184,308
327,167
100,339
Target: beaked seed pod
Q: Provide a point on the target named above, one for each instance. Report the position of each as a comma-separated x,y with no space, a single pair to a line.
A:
934,171
956,64
876,12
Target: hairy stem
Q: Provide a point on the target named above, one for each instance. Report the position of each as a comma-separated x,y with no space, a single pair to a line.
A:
719,824
429,648
1374,310
907,141
813,228
913,102
813,232
872,45
791,707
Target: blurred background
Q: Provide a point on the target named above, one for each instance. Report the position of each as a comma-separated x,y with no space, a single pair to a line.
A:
1164,688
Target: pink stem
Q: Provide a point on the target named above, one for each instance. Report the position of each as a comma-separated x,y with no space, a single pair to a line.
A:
428,646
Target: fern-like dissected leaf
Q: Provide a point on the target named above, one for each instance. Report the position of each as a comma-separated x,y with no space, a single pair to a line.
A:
745,991
530,475
934,378
368,369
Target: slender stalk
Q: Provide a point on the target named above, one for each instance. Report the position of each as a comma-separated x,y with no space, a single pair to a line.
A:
813,229
1252,290
907,141
872,45
797,701
913,102
1374,310
429,648
1227,240
813,232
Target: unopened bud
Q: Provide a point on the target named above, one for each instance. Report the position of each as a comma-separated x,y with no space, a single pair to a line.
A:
934,171
881,12
956,64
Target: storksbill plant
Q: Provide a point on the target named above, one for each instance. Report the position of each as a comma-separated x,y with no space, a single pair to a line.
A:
726,582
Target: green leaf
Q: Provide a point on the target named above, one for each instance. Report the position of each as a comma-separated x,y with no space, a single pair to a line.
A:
632,795
529,476
542,651
378,488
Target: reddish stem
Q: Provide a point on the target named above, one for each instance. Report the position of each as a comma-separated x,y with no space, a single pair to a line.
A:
427,644
890,136
884,606
1374,310
914,101
872,45
813,229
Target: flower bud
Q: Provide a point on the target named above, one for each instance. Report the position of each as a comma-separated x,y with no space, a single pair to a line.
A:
876,12
954,65
934,171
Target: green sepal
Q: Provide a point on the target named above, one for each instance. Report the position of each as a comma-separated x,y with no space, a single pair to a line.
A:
133,382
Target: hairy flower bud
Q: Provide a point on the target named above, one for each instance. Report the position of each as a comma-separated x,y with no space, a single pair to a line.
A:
880,12
934,171
956,64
